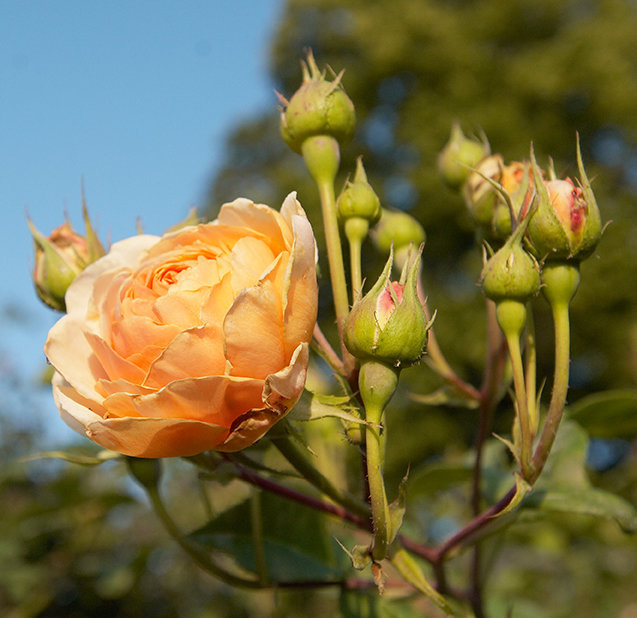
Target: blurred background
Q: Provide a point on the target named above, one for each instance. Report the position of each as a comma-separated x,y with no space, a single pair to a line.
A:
157,107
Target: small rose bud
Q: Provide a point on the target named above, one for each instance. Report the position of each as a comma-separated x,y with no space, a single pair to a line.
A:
479,194
399,231
318,107
358,199
58,260
494,190
61,257
567,224
459,155
511,273
389,323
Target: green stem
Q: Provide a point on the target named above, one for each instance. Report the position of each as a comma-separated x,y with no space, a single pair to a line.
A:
513,343
511,316
560,284
378,498
531,374
256,520
312,475
200,557
377,383
356,229
322,157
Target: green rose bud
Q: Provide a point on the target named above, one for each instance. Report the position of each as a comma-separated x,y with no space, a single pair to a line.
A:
511,273
399,231
567,223
318,107
389,323
459,155
358,199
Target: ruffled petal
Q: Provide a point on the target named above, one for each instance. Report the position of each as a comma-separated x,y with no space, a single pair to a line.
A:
72,356
156,437
245,214
213,399
248,429
253,339
194,353
283,389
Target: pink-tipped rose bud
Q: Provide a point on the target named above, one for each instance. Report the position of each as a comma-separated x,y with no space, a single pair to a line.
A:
318,107
566,224
389,323
58,260
459,155
61,257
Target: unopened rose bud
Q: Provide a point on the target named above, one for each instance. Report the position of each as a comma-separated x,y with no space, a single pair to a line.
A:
511,273
479,194
389,323
397,230
567,224
318,107
58,260
358,199
494,191
61,257
459,155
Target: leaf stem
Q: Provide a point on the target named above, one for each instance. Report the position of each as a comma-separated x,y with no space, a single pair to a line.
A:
312,475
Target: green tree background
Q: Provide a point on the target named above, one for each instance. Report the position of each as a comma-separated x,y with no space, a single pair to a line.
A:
78,542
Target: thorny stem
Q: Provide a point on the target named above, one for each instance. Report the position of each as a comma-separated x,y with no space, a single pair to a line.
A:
326,350
272,486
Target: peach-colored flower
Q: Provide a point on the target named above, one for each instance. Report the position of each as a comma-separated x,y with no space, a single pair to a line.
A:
197,340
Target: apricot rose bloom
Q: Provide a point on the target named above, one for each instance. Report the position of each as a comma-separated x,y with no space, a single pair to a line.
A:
193,341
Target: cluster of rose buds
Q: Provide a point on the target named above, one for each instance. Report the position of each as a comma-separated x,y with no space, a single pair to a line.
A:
561,218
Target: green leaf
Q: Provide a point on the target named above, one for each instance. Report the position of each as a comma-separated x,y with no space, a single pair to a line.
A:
447,395
311,407
522,488
295,542
411,572
609,414
398,507
587,501
77,458
564,486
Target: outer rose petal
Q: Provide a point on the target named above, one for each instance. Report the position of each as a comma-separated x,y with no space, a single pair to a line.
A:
280,392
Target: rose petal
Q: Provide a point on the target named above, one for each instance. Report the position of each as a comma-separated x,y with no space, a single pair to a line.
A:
213,399
113,365
250,258
194,353
247,215
249,428
70,353
152,437
283,389
125,253
253,340
301,288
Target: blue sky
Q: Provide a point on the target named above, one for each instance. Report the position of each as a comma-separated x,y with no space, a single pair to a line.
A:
132,98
